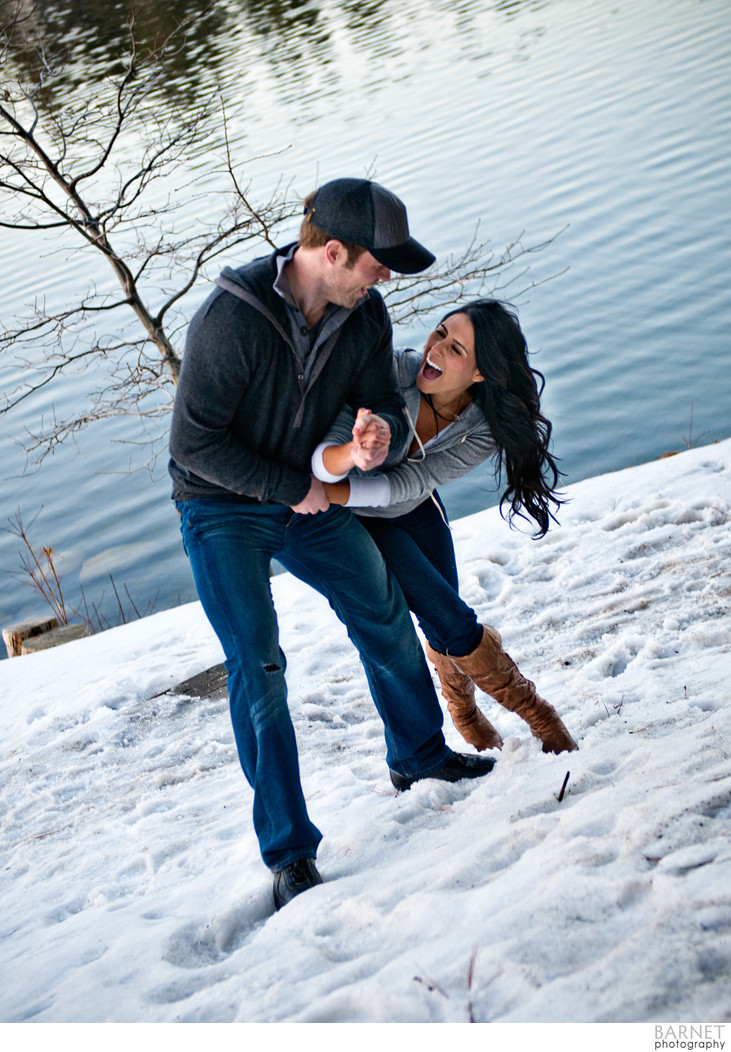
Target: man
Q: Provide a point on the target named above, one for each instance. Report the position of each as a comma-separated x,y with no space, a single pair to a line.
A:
271,357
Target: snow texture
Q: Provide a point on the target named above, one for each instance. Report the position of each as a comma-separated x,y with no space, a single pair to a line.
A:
133,891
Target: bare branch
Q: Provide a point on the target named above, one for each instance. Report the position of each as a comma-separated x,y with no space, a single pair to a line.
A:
477,271
40,574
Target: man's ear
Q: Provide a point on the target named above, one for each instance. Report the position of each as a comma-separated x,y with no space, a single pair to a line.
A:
334,250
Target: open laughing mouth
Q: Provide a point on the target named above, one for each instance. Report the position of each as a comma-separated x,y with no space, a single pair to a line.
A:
429,370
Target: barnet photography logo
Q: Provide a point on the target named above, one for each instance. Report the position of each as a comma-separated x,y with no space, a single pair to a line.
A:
710,1036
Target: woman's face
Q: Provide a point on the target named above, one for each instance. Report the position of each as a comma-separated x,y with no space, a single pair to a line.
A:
448,366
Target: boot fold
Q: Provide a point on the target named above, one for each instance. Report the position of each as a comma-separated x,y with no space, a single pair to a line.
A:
459,692
495,673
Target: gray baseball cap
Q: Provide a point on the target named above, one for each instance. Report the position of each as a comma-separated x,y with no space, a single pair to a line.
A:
368,215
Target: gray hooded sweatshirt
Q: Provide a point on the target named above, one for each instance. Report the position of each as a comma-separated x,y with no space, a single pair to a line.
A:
455,451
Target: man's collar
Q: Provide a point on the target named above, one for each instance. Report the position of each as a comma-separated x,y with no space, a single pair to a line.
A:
281,281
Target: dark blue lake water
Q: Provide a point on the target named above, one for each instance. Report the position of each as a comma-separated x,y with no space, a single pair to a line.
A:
606,125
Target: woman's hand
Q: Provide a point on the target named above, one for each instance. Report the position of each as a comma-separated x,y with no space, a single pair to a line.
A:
368,448
371,439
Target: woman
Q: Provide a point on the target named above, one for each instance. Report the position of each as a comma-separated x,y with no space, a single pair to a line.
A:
469,396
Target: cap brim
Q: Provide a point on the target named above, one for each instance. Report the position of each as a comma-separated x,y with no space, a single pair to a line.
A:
408,258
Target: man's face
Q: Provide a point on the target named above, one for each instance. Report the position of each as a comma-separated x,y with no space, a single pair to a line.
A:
348,284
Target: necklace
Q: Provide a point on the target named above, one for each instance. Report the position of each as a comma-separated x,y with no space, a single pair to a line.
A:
455,415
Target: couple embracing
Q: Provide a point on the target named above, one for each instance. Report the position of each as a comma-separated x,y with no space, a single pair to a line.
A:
298,435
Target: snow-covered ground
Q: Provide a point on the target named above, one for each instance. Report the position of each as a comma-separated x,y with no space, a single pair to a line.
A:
132,889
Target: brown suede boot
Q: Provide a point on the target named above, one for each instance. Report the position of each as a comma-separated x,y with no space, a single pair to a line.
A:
495,672
459,692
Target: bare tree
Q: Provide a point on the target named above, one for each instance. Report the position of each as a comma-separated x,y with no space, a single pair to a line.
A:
109,171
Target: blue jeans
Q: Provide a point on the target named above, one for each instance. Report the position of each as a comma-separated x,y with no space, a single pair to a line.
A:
230,546
418,550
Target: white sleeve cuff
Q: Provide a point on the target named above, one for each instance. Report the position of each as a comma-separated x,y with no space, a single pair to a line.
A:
369,492
318,466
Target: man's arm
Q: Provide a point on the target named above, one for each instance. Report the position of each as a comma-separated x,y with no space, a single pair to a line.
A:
215,374
376,386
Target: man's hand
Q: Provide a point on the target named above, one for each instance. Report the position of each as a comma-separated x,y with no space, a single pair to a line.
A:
314,501
371,439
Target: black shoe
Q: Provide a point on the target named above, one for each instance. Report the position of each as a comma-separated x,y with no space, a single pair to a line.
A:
294,879
459,765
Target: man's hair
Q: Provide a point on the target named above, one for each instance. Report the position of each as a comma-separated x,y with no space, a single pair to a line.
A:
312,236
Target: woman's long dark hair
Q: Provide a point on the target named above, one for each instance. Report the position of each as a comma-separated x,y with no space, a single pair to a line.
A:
509,396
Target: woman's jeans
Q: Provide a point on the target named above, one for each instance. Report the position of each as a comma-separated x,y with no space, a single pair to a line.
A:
230,546
418,549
